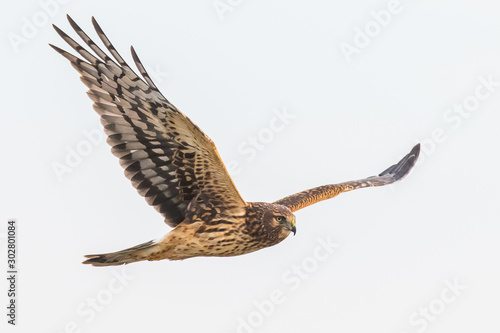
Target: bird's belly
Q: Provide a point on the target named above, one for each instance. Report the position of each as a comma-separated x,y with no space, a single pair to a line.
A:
199,240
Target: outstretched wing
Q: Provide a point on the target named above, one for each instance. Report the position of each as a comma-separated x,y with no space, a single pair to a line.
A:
168,159
392,174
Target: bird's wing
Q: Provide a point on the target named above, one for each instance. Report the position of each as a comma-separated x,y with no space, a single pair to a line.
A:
392,174
168,159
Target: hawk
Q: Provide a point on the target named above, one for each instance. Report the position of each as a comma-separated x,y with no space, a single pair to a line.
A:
177,168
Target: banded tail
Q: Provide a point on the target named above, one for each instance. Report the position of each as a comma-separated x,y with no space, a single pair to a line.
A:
137,253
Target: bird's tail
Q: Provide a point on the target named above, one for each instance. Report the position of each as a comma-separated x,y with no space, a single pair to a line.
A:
133,254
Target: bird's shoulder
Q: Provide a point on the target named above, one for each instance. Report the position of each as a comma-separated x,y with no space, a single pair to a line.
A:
211,212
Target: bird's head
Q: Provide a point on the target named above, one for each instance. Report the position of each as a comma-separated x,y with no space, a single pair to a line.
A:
279,221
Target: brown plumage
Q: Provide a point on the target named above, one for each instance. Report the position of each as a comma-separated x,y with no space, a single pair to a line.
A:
178,170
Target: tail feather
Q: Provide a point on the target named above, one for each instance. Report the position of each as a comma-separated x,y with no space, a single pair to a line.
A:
127,256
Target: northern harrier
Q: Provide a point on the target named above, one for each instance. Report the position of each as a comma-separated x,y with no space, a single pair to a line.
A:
177,168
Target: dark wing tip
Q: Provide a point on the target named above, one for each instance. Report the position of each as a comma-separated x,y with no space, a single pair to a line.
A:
58,49
96,25
60,32
134,54
402,168
72,22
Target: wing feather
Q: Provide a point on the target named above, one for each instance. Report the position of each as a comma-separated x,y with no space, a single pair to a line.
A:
168,159
392,174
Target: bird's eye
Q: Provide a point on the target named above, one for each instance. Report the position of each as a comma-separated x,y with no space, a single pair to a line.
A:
280,218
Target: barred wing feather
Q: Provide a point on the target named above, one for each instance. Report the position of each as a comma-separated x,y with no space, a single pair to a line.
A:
168,159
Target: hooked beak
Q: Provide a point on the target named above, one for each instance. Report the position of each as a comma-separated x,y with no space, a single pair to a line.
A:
291,226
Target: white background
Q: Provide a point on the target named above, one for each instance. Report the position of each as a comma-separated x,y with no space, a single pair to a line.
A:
229,72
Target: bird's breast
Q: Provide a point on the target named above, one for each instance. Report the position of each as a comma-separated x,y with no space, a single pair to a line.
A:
222,236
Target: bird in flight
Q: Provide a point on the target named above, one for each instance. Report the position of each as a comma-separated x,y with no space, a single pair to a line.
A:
178,170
